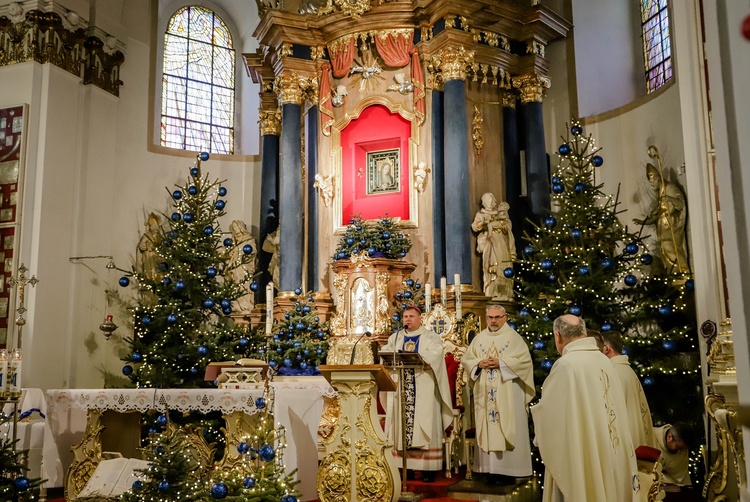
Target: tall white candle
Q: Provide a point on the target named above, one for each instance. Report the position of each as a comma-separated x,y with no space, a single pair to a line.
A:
428,297
443,292
269,308
457,291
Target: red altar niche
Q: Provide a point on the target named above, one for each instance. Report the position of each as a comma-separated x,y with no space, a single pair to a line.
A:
375,165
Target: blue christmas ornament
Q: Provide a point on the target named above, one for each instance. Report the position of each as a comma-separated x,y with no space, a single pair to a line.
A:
556,179
204,156
208,230
248,483
575,310
222,191
136,357
288,498
287,362
350,240
646,259
558,187
219,491
166,281
306,309
576,233
254,286
286,315
552,278
408,294
523,312
244,342
580,187
665,310
297,345
137,484
606,326
220,204
669,345
177,194
509,272
266,453
540,344
402,254
188,217
298,291
410,282
597,161
202,350
209,303
371,250
303,364
358,227
192,190
194,371
386,235
176,216
260,403
272,363
163,486
606,263
546,264
146,319
22,483
576,130
243,448
179,285
299,326
624,351
124,282
564,149
648,381
690,285
528,250
583,270
546,365
127,370
512,325
631,248
630,280
161,420
194,172
211,271
228,242
247,249
171,318
172,234
550,221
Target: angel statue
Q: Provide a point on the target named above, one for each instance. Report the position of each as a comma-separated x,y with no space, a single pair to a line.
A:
420,176
339,94
497,246
402,85
242,264
669,214
324,184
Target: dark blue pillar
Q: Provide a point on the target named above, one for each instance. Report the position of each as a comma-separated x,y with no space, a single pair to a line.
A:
537,166
457,210
311,141
438,188
512,163
269,199
291,236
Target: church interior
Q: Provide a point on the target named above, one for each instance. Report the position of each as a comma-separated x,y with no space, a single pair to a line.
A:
223,220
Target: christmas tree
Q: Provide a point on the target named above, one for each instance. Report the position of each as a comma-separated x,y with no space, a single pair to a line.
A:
410,295
258,473
581,260
381,238
300,342
182,321
14,485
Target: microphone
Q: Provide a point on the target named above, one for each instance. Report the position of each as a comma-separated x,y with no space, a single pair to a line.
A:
354,348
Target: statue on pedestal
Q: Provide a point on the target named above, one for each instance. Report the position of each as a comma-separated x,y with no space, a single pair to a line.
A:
497,246
242,264
146,259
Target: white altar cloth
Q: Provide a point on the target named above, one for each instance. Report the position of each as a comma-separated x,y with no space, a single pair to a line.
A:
298,406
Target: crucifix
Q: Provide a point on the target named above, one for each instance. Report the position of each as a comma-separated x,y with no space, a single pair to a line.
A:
21,281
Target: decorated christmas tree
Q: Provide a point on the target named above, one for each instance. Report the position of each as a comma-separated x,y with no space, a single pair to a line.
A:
14,484
410,295
186,289
379,238
300,342
580,260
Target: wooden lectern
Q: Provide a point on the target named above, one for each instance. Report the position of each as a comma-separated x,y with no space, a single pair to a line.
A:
400,361
358,462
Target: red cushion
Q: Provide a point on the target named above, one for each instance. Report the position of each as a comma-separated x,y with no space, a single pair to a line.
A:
649,453
452,365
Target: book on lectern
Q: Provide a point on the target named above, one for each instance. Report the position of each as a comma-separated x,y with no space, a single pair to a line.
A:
112,478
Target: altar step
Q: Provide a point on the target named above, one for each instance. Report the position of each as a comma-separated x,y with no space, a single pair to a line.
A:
477,490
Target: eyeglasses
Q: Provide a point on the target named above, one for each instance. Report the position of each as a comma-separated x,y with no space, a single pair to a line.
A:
495,316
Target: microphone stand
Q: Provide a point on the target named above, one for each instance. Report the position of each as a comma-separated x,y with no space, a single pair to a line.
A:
354,347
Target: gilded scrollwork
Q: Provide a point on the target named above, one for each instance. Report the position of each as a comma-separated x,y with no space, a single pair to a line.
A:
334,473
509,99
453,62
476,131
531,86
338,322
354,8
293,87
86,456
382,319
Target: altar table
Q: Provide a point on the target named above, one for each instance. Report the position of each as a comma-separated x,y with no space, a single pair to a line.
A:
298,406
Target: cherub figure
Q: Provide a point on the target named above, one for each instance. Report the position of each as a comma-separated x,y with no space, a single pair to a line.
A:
338,95
420,176
324,184
402,85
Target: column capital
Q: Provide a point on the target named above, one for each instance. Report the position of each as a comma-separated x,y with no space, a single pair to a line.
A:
509,98
293,87
453,62
532,87
270,122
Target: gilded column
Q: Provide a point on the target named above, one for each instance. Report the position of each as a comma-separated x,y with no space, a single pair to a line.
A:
453,63
270,130
512,161
531,87
291,93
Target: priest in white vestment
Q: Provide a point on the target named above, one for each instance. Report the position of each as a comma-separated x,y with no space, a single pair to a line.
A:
581,425
501,376
674,442
429,409
639,413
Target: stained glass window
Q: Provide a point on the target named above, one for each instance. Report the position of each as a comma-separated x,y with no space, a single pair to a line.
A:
657,47
197,105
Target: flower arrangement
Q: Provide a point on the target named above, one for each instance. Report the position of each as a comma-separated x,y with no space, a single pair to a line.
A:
377,238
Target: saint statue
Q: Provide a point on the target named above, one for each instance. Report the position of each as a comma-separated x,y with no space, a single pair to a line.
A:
669,214
271,245
241,265
324,184
147,259
497,246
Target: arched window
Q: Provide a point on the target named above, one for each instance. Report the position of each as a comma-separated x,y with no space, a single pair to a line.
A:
657,46
198,87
